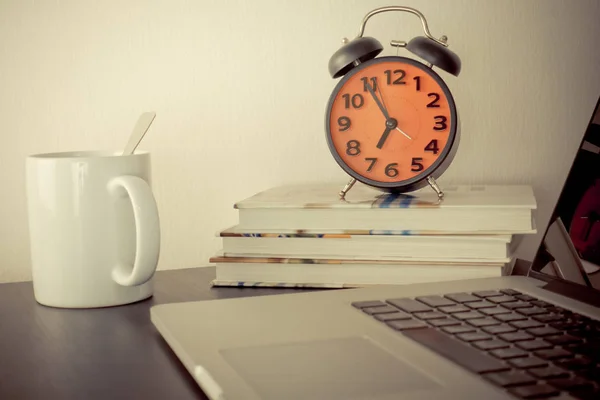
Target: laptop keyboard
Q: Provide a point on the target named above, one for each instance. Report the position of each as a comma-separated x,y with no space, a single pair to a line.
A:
531,348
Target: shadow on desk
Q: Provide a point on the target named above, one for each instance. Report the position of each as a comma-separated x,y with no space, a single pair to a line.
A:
102,353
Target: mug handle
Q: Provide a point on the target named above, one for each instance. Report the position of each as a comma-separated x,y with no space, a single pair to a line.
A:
147,230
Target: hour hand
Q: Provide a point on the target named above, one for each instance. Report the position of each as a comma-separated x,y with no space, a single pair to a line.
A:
384,136
379,103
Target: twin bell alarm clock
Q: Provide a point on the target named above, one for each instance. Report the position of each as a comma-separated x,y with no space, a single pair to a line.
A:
391,122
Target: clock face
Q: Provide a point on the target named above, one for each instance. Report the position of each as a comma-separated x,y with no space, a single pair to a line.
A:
391,122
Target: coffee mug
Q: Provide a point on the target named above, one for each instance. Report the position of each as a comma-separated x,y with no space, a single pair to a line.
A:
93,226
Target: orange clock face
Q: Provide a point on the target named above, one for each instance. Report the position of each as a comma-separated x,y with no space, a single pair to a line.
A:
391,122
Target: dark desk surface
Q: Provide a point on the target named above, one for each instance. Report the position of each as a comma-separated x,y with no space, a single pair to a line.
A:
107,353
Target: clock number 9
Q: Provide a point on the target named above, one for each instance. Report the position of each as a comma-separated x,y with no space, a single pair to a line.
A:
344,123
440,123
353,148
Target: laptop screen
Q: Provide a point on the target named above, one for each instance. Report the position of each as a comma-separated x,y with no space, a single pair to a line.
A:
570,248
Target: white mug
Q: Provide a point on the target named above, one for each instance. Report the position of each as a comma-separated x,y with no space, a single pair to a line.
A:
93,227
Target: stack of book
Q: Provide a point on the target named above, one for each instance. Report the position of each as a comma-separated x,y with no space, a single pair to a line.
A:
306,236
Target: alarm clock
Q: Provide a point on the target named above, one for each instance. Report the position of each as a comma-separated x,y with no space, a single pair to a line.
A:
391,122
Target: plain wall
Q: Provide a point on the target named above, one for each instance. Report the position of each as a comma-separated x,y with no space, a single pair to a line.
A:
240,90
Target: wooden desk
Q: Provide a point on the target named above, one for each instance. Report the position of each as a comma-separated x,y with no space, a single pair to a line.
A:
106,353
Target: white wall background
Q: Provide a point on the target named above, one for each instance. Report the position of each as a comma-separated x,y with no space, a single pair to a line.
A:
240,90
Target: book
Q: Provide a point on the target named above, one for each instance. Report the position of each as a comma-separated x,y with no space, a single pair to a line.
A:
297,272
483,209
350,245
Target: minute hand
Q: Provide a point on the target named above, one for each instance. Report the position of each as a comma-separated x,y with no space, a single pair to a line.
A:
379,104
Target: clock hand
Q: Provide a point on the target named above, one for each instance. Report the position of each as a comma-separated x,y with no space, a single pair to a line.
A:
384,136
404,133
381,107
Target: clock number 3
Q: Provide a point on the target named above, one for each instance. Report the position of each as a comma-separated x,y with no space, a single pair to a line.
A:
440,123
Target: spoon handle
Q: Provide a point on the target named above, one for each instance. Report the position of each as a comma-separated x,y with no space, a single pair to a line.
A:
140,129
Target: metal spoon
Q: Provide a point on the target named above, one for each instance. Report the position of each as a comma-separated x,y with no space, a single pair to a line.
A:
139,130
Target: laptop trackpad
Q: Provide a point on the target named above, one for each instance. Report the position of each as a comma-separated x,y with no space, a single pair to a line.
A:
333,369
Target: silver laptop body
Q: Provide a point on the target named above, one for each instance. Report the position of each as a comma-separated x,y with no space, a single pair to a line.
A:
328,345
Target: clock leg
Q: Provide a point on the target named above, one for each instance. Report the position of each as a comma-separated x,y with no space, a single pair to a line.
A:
435,187
346,188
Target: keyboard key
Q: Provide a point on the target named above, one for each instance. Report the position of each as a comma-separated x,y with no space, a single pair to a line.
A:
462,297
510,378
540,303
401,325
435,301
494,311
561,340
497,329
460,353
547,317
429,315
502,299
409,305
573,364
453,309
525,324
529,362
543,331
510,292
587,349
536,344
516,304
365,304
458,329
509,353
475,305
490,344
553,354
531,311
487,293
534,391
392,316
482,322
379,310
590,374
515,336
525,297
509,317
443,322
473,336
558,310
562,325
571,383
468,315
585,393
548,372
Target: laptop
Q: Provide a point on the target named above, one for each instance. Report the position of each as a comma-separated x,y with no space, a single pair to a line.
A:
531,336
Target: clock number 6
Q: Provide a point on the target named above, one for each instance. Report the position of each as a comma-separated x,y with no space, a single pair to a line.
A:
391,171
353,148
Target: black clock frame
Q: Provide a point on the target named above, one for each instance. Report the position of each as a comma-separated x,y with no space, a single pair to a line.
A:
436,169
